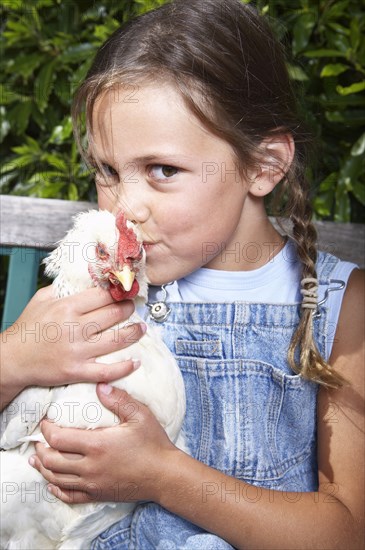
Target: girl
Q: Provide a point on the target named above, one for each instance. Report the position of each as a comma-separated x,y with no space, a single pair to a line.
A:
191,124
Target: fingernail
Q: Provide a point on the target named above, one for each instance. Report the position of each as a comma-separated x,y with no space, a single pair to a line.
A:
136,364
31,460
143,327
106,389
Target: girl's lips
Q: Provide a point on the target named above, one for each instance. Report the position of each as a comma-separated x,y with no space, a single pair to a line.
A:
147,246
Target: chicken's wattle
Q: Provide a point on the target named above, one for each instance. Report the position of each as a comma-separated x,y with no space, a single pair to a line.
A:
119,294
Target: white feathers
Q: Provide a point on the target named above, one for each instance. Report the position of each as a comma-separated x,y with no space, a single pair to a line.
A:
31,517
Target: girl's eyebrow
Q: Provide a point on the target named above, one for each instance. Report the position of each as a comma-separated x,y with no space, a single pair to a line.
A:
166,157
145,159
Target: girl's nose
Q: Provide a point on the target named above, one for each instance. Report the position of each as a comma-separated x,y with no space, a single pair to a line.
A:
136,212
133,200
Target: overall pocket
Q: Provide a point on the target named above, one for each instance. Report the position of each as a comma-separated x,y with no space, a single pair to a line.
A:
249,419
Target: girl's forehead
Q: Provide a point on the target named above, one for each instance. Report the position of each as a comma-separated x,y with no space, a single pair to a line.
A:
138,95
149,117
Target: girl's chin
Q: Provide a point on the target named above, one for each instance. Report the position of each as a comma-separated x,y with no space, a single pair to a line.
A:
158,281
166,268
157,277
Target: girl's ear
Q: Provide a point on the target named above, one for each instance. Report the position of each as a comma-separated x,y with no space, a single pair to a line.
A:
277,156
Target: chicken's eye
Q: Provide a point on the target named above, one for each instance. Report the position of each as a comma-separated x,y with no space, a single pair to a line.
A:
101,252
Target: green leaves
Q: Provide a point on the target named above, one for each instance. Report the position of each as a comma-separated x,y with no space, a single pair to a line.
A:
353,89
333,69
348,180
358,148
142,6
327,58
18,116
47,49
43,84
48,45
302,31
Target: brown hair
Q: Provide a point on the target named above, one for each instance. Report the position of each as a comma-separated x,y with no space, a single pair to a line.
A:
230,70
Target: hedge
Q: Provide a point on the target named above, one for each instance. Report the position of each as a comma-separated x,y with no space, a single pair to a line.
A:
47,47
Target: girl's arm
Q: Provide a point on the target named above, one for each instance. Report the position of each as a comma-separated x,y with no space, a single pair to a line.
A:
144,465
56,341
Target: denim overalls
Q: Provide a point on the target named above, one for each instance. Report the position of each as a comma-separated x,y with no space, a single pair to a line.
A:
247,414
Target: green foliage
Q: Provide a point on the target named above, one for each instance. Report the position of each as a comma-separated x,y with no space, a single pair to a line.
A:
47,47
326,43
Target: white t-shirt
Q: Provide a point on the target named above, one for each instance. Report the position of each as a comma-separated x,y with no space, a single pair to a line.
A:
277,282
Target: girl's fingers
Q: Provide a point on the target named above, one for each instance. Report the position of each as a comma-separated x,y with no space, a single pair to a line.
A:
71,496
120,402
67,440
56,461
84,301
101,372
67,481
116,339
90,299
96,298
108,316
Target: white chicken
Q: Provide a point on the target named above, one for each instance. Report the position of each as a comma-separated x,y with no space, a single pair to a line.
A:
105,250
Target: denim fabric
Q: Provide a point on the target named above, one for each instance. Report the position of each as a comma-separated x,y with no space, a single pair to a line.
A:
153,528
248,415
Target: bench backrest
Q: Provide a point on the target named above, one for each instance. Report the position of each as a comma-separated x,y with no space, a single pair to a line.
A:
30,227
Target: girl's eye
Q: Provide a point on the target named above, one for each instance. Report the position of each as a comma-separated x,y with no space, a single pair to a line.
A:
163,172
109,171
105,175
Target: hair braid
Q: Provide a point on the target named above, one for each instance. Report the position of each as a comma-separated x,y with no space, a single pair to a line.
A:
311,364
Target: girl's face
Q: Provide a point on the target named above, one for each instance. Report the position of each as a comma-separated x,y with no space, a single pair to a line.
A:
173,177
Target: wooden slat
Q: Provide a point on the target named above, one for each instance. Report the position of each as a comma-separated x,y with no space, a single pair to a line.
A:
40,223
344,240
37,223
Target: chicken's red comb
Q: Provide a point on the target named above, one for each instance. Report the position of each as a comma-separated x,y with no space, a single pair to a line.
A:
128,245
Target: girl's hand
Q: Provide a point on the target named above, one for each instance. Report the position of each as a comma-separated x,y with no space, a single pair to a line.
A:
56,341
121,463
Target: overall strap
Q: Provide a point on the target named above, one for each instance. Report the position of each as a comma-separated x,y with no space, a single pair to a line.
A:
324,327
326,263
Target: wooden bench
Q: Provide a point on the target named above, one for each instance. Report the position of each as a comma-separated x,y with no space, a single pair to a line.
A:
30,227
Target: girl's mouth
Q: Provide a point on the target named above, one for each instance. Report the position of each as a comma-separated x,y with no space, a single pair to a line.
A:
147,246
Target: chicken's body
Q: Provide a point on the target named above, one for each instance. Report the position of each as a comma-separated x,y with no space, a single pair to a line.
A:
31,517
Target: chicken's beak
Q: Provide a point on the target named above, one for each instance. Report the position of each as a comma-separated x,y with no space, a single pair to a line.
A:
125,277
